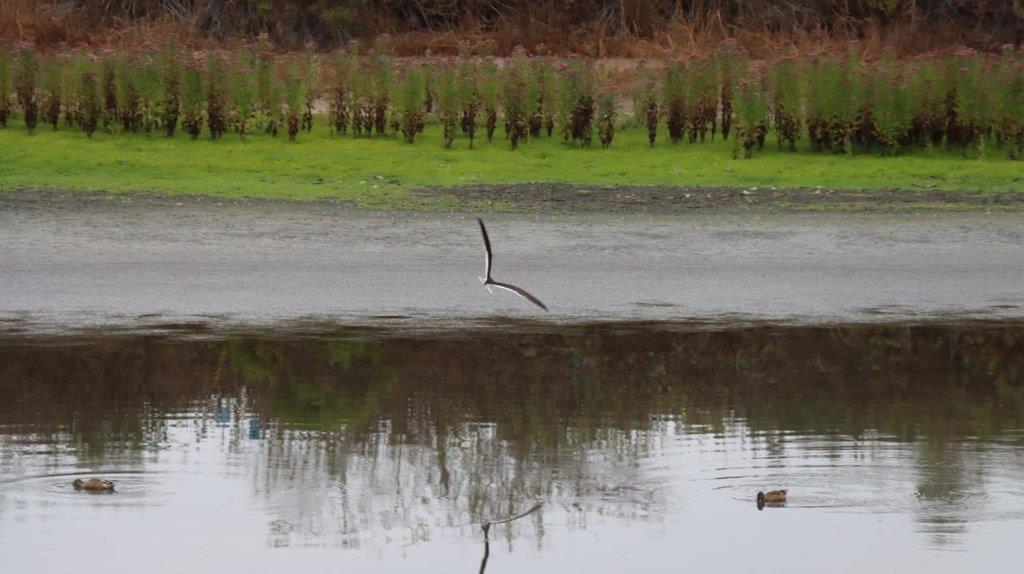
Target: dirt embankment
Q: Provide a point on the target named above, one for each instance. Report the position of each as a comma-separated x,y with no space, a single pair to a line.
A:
575,197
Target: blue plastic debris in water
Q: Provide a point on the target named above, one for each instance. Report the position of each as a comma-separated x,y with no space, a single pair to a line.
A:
223,415
254,428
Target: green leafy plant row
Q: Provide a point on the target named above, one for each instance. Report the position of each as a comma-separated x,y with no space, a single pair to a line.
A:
967,103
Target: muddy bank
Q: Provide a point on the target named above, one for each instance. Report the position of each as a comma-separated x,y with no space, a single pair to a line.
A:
573,197
565,198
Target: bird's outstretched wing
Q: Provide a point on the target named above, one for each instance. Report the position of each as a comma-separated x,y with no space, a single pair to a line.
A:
487,250
521,292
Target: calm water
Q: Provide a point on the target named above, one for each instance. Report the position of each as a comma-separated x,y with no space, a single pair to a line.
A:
902,449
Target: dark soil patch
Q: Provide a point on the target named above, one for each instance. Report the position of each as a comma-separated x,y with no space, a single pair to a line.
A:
568,198
575,197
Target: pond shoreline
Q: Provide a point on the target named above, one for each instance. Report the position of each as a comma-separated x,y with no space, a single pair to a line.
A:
569,198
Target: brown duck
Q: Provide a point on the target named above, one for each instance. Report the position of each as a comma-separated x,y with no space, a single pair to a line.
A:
93,485
771,498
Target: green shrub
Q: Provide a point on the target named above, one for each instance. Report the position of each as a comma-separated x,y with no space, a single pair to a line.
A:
25,88
381,79
542,97
70,79
489,89
216,97
53,87
171,68
835,102
850,117
645,104
410,102
727,66
820,79
702,99
973,120
128,100
577,93
88,96
109,87
150,89
548,85
606,117
192,99
447,104
1008,105
892,110
637,97
268,109
310,88
928,95
966,100
5,88
514,92
340,94
428,93
534,99
673,100
294,100
242,94
786,102
362,110
751,117
469,100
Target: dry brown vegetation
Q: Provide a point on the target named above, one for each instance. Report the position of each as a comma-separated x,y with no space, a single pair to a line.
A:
601,28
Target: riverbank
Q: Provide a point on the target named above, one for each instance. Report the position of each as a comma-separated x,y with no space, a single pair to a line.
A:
543,175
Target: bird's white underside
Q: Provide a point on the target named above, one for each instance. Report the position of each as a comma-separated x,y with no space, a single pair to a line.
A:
486,279
507,289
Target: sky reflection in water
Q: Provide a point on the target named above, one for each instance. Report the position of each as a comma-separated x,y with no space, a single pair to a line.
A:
901,447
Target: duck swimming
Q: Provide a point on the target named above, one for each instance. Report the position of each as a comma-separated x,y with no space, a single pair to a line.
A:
93,485
771,498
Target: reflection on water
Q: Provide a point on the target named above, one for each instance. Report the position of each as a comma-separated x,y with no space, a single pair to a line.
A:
378,447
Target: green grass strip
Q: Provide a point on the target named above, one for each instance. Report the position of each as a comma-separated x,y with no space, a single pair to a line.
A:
381,172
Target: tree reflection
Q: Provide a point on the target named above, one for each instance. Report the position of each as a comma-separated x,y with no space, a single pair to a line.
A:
353,439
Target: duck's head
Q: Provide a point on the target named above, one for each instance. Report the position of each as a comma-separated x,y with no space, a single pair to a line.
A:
760,497
77,483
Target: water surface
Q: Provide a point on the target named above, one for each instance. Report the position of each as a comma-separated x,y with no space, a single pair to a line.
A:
77,261
373,451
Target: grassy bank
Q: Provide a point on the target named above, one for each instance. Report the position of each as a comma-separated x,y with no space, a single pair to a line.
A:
384,172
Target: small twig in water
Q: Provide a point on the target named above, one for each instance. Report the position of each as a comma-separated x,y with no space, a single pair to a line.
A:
486,526
487,553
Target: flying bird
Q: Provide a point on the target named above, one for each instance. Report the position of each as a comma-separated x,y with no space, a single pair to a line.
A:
488,282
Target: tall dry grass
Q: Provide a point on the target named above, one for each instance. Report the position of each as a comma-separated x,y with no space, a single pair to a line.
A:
597,28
